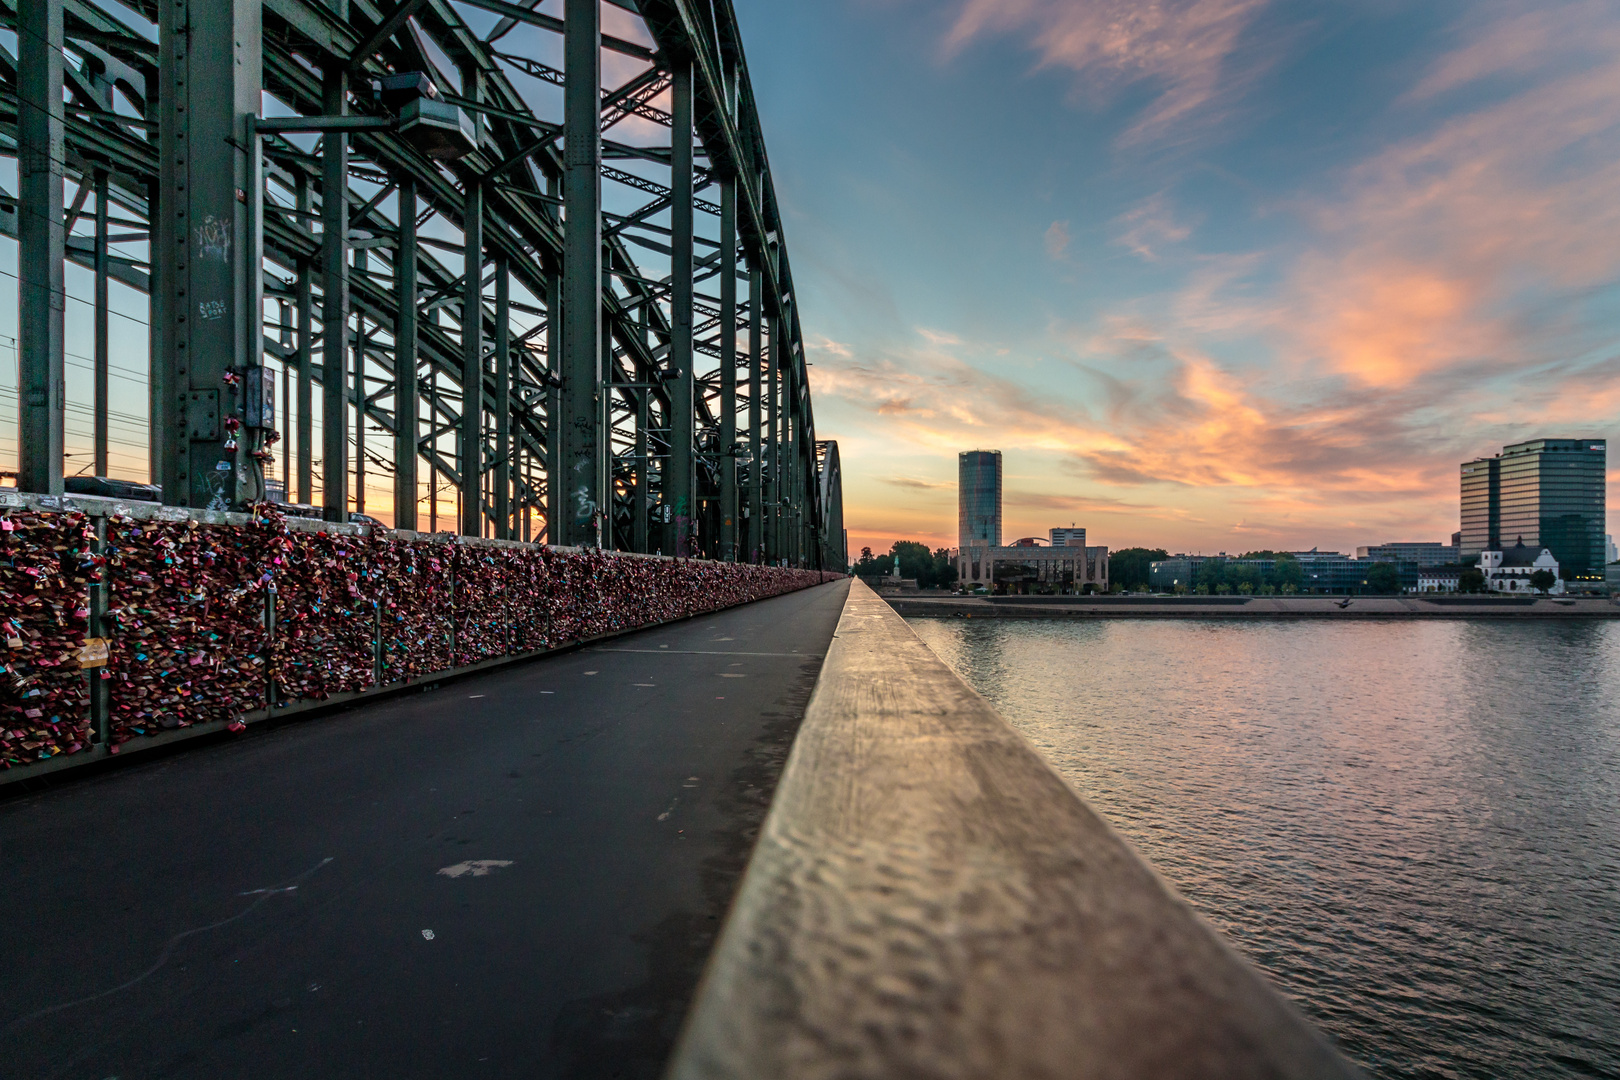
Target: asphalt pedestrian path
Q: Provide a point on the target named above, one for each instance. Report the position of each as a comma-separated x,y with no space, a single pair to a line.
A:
518,874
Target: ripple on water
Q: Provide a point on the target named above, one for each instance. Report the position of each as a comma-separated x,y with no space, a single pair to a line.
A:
1412,827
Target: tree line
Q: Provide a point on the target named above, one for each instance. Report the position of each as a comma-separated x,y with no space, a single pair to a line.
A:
931,569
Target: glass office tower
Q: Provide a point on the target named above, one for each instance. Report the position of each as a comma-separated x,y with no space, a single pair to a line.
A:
978,499
1549,493
1481,509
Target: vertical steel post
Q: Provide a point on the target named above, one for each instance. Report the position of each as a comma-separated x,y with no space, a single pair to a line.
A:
728,370
756,416
503,401
41,247
680,477
773,470
360,262
472,360
554,404
286,403
639,506
305,358
583,461
211,57
102,343
305,304
405,331
334,301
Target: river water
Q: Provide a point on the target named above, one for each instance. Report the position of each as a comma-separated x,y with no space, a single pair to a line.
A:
1412,827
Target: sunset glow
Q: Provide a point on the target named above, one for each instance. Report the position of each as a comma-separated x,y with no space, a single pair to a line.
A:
1212,274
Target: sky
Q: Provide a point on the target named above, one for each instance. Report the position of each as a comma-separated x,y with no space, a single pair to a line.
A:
1214,275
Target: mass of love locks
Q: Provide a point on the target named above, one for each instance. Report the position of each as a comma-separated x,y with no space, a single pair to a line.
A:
212,622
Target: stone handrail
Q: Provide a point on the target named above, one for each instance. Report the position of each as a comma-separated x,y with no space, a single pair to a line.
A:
928,898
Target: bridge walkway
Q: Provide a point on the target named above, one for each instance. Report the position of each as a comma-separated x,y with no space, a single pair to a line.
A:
514,874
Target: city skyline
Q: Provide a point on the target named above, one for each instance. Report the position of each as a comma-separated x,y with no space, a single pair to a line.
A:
1251,276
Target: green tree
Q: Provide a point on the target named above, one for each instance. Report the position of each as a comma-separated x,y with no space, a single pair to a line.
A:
1212,574
1202,589
1240,574
929,568
1383,578
1128,567
1223,588
1471,580
867,566
1287,575
1543,580
1246,588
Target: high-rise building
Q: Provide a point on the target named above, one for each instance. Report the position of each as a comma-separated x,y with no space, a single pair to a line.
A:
1610,552
1070,537
1481,508
1547,493
978,499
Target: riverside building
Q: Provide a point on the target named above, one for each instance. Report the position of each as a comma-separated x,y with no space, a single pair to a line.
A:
1544,493
1421,554
978,499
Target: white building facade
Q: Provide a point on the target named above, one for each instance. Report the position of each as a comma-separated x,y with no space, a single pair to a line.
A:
1509,570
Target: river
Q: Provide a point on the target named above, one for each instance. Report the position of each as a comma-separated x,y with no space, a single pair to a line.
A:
1413,828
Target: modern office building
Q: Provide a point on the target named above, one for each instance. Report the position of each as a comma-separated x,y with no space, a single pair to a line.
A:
978,499
1420,554
1481,508
1029,568
1070,537
1547,493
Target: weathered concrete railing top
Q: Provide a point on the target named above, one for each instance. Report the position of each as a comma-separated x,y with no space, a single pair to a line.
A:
929,899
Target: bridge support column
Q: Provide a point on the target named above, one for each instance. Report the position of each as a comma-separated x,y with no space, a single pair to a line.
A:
503,402
471,443
756,472
728,370
680,472
406,421
334,302
210,60
582,478
42,239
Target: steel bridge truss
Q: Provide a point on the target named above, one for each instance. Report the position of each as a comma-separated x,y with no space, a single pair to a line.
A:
524,252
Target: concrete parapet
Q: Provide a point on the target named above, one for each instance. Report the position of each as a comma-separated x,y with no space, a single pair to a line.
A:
929,899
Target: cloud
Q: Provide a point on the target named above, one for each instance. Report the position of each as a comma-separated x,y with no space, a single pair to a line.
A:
919,485
1057,239
1148,226
1181,46
1441,246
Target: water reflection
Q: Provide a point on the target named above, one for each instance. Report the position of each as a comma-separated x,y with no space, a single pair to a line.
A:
1412,827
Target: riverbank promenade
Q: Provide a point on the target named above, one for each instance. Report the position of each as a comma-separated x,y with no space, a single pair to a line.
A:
516,874
1134,606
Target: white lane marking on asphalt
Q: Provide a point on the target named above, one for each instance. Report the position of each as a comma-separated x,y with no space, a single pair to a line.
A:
665,815
731,675
474,695
548,691
590,673
643,684
475,867
427,935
